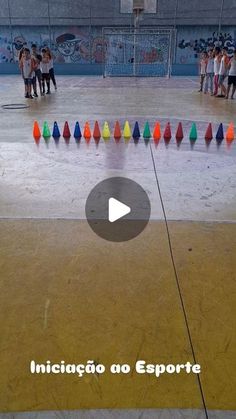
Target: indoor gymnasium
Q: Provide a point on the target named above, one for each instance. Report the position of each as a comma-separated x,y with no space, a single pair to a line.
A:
117,209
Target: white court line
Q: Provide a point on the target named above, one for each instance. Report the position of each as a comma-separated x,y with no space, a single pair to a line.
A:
179,220
124,414
45,320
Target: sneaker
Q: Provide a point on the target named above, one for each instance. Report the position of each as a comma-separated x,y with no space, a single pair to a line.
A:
30,97
27,96
48,92
36,95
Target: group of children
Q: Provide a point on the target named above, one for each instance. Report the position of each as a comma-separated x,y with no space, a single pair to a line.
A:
37,70
215,67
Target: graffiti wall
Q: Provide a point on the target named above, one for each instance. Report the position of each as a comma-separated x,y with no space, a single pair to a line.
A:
69,44
6,48
81,45
191,41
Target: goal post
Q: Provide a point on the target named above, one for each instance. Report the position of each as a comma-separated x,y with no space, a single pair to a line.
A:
138,52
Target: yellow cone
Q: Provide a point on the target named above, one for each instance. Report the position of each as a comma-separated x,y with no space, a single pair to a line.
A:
106,133
127,131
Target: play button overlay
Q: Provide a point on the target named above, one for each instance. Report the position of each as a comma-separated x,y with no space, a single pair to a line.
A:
118,209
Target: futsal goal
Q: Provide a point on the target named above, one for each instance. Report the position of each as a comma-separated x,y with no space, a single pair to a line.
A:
138,52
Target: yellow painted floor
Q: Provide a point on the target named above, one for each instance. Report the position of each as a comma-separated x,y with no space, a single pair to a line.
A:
67,295
207,277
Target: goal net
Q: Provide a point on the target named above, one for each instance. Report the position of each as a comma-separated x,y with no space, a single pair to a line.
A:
136,52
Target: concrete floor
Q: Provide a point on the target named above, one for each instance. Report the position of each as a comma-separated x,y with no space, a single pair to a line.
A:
166,296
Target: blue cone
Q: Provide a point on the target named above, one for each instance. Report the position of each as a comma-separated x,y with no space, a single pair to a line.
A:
220,133
77,132
56,132
136,132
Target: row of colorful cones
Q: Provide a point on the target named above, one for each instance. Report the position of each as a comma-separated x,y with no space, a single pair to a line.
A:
127,134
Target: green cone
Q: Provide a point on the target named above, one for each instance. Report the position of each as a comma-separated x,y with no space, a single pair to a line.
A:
147,133
46,130
193,133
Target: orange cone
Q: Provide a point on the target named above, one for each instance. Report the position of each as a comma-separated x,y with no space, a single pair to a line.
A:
36,131
96,131
230,132
117,131
87,131
157,132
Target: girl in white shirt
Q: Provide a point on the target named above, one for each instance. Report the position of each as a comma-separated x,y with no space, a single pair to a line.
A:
209,73
223,73
44,66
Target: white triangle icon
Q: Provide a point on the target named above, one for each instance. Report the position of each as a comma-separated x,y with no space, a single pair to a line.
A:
117,210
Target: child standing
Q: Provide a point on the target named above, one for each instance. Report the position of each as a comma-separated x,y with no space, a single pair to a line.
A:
209,73
51,68
27,71
20,56
38,75
202,68
45,72
232,76
217,61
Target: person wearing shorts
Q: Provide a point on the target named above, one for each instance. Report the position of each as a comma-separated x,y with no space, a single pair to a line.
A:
27,71
232,77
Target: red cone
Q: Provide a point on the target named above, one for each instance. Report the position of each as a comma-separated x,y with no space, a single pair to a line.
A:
179,133
209,133
167,133
117,131
66,131
96,131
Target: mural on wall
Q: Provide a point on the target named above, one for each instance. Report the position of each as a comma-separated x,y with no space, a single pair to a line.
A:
193,41
77,46
69,45
6,49
23,37
80,46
